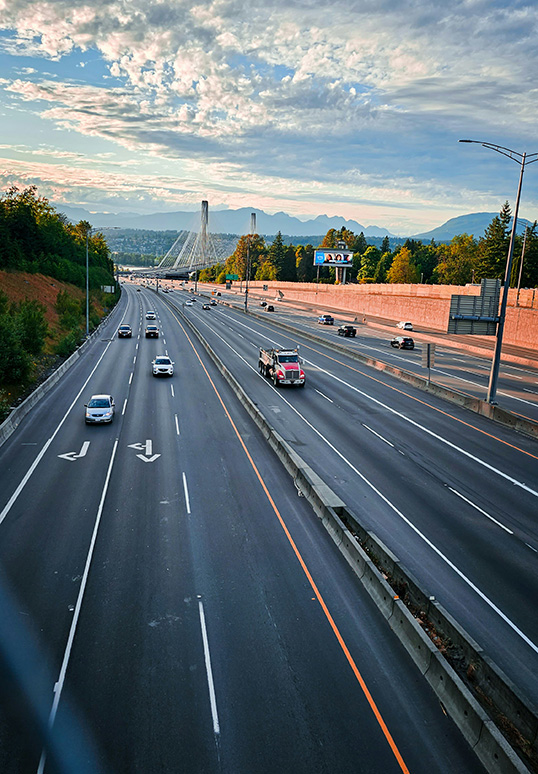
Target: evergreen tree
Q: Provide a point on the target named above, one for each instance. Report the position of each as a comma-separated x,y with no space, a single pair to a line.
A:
360,244
493,247
277,256
385,245
304,263
369,261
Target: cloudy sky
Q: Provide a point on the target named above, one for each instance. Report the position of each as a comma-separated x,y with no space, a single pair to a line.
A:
350,108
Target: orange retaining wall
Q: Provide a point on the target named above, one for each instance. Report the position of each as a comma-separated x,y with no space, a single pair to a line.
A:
426,305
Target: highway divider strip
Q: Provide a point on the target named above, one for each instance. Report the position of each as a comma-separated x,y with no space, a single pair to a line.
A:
412,613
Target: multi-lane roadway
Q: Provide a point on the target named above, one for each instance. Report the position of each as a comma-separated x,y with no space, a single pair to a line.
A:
169,601
452,494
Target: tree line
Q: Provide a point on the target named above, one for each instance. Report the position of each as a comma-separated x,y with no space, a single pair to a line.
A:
34,237
463,260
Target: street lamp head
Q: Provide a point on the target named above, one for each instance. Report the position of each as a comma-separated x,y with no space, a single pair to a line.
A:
467,140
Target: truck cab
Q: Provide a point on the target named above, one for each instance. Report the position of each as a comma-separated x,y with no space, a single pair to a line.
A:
283,366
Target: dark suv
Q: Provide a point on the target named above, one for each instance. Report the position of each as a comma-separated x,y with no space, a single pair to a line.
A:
347,330
402,342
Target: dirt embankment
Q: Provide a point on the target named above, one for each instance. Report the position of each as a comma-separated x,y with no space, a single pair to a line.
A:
20,285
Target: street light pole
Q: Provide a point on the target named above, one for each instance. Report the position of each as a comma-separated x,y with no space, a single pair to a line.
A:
87,286
248,272
522,159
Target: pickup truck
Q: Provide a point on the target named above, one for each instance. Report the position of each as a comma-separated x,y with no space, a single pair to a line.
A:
283,366
326,319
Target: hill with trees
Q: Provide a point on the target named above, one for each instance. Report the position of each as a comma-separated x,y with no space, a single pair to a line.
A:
42,289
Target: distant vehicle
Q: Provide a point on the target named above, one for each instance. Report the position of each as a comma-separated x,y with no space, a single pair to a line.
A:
138,290
152,332
125,331
188,302
99,409
270,308
151,316
193,300
162,366
406,326
283,366
213,302
263,303
402,342
218,293
325,319
206,306
347,330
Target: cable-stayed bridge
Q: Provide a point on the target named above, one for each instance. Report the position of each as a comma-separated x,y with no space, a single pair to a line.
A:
197,248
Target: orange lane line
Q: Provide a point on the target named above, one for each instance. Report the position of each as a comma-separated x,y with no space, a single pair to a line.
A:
418,400
332,623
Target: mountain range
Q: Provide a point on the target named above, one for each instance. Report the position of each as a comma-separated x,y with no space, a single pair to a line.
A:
238,222
221,221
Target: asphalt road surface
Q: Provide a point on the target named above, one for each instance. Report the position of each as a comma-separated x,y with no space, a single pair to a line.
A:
456,369
170,603
452,494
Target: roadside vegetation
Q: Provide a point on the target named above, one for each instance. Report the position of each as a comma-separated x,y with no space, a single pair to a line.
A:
465,259
42,290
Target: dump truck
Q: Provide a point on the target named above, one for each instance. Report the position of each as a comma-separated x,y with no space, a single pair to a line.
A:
283,366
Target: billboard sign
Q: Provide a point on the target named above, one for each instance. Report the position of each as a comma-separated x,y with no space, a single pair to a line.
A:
333,257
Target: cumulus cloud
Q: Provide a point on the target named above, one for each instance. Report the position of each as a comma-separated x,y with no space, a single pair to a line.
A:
346,95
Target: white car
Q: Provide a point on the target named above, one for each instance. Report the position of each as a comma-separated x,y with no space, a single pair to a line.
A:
406,326
99,409
188,303
162,366
151,316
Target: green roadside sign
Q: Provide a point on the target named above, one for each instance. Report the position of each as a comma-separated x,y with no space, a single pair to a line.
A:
232,276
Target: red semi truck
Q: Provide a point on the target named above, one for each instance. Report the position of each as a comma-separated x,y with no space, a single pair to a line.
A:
283,366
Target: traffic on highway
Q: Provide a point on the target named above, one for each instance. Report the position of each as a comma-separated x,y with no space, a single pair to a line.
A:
174,603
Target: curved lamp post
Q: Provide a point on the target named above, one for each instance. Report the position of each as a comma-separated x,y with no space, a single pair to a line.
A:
522,159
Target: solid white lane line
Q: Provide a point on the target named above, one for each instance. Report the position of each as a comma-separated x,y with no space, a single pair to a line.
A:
323,396
378,436
469,502
131,377
172,390
531,391
532,548
39,457
61,679
209,671
177,424
124,407
186,492
404,518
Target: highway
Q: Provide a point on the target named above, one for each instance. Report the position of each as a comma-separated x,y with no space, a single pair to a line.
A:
170,602
454,368
452,494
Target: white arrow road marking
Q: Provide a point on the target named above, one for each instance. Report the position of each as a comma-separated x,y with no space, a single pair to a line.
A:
72,456
148,446
148,459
